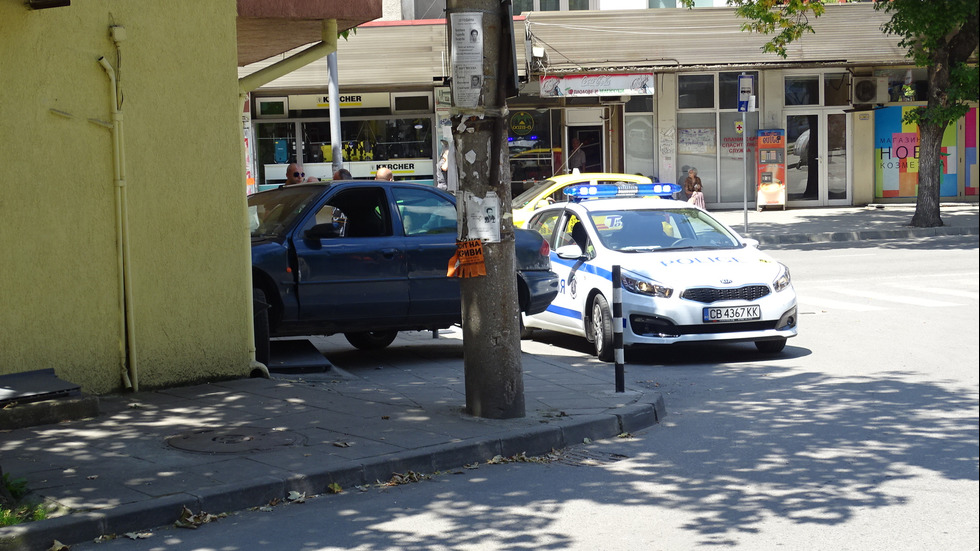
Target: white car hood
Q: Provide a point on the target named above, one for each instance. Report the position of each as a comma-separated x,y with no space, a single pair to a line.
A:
702,268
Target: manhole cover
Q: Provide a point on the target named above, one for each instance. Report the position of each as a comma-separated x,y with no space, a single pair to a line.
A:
235,440
588,458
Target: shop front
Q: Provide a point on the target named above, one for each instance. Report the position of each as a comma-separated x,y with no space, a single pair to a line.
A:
390,129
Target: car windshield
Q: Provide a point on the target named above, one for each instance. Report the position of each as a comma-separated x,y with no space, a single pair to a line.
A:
661,229
535,190
271,213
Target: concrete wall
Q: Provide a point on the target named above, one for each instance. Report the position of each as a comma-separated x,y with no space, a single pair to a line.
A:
59,285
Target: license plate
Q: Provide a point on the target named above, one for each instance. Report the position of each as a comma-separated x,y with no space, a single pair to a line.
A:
731,313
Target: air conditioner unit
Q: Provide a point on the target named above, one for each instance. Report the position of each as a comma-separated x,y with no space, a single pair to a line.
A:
869,90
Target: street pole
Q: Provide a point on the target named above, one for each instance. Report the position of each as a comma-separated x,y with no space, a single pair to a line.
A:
491,327
333,93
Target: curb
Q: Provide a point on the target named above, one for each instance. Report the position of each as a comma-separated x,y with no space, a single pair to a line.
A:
86,526
835,237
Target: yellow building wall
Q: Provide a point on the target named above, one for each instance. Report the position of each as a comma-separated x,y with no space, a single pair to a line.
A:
59,291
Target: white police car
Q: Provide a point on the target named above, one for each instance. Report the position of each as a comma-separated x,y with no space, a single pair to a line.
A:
686,277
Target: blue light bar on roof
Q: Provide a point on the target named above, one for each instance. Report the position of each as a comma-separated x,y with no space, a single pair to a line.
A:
623,189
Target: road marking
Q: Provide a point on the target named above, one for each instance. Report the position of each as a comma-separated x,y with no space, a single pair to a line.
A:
888,297
939,291
836,304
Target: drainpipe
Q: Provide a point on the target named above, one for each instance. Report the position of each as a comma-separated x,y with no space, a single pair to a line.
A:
127,343
327,46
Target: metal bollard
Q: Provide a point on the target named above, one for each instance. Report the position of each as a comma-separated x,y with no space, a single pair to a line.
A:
617,307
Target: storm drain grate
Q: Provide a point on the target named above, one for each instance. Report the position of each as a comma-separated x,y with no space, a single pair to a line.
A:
234,440
589,458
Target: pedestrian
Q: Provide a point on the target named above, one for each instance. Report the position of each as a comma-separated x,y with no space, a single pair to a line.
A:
343,174
295,174
697,197
442,174
576,161
384,174
690,182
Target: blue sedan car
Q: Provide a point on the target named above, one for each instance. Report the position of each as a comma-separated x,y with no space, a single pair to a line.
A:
367,259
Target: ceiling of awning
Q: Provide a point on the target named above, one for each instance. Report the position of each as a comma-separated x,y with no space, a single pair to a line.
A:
271,27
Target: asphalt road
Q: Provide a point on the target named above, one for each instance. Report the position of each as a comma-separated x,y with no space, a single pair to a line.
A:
861,435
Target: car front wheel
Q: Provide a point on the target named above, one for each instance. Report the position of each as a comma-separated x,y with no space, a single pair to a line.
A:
371,340
771,347
601,329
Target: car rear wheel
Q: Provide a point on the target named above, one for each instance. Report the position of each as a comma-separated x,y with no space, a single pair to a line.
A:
260,320
601,329
771,347
525,331
371,340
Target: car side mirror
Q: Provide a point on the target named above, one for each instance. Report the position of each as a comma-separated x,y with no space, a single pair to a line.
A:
570,252
749,242
325,231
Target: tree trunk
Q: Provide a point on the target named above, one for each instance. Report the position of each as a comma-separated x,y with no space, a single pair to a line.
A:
930,176
491,325
931,144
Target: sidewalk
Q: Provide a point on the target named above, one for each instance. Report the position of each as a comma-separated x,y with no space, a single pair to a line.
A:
835,224
237,444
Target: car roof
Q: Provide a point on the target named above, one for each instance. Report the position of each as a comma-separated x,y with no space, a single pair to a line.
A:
583,176
628,203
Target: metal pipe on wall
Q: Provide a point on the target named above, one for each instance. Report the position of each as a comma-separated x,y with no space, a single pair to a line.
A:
128,358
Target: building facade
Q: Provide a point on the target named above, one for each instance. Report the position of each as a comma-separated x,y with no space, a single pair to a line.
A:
126,256
651,91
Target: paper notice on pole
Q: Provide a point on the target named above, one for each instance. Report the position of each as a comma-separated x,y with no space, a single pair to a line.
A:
482,217
467,58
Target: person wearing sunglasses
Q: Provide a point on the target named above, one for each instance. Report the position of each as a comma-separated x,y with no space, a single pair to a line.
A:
295,174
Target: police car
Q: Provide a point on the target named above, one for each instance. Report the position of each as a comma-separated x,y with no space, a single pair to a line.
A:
686,277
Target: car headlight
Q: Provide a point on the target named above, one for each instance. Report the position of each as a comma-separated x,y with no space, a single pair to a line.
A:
782,280
644,287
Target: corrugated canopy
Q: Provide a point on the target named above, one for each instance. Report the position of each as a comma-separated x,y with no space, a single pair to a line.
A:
847,34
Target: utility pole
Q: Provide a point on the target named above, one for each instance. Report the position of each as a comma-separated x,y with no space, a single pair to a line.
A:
494,379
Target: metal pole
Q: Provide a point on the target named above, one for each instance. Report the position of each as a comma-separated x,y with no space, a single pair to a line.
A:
334,94
617,306
745,174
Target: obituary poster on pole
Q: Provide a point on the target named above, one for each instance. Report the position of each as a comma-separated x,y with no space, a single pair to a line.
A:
467,58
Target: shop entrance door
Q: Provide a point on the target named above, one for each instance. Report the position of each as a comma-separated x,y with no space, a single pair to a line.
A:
589,140
816,158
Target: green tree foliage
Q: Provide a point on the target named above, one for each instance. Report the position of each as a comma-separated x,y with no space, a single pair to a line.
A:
938,34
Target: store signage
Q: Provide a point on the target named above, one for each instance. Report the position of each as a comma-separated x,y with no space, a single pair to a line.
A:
621,84
347,101
521,123
745,88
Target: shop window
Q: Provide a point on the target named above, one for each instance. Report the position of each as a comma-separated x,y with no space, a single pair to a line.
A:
696,91
802,90
639,104
697,147
275,144
728,88
835,89
370,140
906,84
733,159
534,153
521,6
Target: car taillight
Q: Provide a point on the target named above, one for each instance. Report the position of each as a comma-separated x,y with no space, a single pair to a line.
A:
545,249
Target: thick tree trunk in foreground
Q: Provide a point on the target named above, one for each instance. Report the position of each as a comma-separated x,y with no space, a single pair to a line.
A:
930,177
494,379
